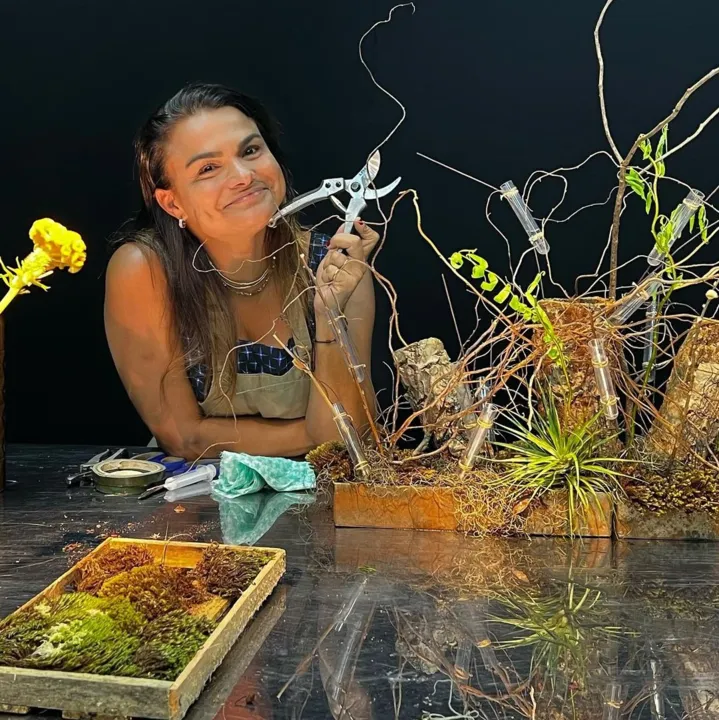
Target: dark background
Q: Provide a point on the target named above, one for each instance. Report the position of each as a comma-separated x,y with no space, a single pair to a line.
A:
497,89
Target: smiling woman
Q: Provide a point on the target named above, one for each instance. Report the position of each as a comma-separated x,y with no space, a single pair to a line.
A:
203,300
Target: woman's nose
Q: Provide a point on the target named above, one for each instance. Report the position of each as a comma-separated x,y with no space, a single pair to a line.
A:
240,174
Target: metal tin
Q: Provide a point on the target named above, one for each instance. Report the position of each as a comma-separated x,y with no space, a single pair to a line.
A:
127,477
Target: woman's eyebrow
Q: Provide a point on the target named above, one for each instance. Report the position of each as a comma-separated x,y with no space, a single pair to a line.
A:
214,154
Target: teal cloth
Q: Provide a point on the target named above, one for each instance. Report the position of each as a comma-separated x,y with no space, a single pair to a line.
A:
243,474
245,520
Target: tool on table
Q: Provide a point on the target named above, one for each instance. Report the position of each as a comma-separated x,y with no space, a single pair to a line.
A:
127,476
360,192
86,476
205,473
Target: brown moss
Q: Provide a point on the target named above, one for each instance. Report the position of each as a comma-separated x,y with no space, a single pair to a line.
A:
331,463
113,561
155,589
227,572
688,489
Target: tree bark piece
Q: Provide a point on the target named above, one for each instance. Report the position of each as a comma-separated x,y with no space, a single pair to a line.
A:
688,422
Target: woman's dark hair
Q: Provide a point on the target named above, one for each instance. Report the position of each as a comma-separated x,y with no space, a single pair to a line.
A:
200,302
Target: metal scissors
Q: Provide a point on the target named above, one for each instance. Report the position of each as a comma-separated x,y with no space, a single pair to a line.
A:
358,188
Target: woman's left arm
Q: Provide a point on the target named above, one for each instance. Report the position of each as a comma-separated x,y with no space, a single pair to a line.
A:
346,280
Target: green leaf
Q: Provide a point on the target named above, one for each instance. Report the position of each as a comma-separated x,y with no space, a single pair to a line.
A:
478,272
646,147
648,203
692,221
664,236
661,169
636,183
663,142
702,214
457,260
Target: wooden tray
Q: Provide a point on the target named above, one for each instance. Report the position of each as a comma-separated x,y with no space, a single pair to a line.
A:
433,508
79,694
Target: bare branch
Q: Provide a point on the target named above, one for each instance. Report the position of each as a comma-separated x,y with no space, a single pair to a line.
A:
602,102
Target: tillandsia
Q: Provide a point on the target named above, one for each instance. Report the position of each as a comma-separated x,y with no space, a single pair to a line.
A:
56,248
544,455
562,626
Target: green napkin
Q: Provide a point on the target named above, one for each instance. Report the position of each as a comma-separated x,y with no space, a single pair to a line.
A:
245,520
243,474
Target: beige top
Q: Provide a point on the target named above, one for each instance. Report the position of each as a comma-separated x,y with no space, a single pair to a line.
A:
282,397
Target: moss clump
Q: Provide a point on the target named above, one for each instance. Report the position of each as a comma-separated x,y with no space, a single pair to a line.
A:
155,589
331,463
61,634
169,643
96,644
105,636
685,489
97,569
228,573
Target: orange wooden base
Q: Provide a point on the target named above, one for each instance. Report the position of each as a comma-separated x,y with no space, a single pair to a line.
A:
426,508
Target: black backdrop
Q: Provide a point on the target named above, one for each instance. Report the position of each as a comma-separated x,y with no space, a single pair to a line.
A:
495,88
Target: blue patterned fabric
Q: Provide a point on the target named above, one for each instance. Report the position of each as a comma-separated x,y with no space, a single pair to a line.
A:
256,357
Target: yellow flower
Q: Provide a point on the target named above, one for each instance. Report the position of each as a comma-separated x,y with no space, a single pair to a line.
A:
32,269
56,248
65,247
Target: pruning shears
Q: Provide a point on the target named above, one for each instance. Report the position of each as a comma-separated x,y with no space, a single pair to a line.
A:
358,188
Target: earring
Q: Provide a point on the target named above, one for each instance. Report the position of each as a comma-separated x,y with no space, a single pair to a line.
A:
183,223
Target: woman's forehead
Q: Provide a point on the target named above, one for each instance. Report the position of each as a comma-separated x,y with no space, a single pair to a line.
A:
209,131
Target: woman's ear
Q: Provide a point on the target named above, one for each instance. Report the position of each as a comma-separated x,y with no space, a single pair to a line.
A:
166,200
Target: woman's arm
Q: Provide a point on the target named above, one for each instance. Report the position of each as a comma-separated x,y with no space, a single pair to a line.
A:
331,366
148,357
346,280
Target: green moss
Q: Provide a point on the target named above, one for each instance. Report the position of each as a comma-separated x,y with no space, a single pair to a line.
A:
685,489
96,644
169,643
22,634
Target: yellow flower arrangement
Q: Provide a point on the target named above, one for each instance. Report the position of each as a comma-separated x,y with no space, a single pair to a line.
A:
56,248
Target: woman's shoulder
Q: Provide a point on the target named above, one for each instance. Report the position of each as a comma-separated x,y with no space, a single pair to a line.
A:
135,262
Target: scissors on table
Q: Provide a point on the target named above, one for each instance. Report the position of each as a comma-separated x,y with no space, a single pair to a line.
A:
358,188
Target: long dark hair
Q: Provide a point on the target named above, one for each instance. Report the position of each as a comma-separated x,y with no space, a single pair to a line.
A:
200,302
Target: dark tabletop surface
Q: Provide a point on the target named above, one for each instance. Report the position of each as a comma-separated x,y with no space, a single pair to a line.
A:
399,624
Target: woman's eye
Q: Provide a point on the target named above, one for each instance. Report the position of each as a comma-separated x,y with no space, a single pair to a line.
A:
206,168
252,150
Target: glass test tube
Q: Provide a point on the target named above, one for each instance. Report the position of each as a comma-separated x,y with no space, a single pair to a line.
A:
479,436
648,339
351,440
342,335
613,701
482,395
656,695
691,203
604,380
521,210
631,302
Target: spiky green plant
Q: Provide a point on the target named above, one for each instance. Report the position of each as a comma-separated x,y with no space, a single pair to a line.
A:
546,456
564,629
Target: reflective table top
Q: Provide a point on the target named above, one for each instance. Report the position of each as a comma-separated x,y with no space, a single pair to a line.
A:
403,624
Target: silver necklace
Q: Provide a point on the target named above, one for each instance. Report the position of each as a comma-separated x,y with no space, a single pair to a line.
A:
253,287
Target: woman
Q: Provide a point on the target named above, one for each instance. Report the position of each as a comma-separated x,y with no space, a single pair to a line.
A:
201,302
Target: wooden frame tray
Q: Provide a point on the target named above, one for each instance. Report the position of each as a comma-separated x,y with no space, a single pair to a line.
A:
79,694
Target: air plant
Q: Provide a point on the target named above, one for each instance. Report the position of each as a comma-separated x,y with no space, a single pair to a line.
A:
546,456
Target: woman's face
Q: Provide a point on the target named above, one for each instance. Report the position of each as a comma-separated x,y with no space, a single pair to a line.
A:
223,178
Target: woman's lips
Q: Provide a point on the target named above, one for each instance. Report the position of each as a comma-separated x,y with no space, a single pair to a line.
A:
246,196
